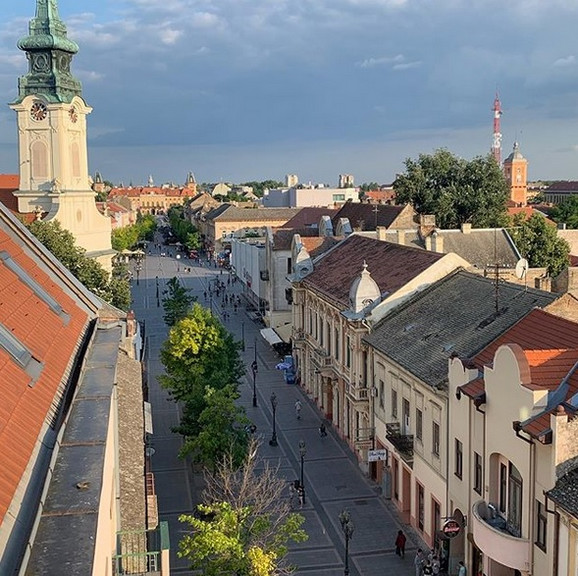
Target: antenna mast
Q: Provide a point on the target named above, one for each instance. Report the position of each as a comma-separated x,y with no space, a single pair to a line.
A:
497,140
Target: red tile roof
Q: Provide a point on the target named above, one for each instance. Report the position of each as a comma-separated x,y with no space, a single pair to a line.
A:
391,266
9,182
52,341
309,216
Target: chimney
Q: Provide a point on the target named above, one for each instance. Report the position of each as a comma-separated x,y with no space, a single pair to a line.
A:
381,232
427,220
428,243
543,283
437,243
466,228
401,237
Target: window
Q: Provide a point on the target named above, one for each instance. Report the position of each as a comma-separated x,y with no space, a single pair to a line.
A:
381,393
514,501
289,266
503,488
406,421
395,478
419,425
459,459
478,473
541,525
394,403
436,517
321,332
348,353
435,439
337,344
420,506
338,197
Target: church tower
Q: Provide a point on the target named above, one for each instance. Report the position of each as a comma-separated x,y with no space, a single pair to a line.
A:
51,116
516,173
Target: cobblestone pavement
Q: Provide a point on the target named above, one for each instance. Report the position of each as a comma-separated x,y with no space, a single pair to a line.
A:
332,478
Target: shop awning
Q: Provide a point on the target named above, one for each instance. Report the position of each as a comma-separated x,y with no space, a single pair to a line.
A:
285,332
271,336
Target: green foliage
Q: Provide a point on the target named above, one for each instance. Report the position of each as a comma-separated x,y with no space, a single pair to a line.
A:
454,189
88,271
368,186
182,228
259,187
176,302
537,240
128,237
199,356
566,212
245,524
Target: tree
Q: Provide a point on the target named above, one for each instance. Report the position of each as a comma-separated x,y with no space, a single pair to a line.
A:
566,212
245,523
537,240
454,190
114,290
176,302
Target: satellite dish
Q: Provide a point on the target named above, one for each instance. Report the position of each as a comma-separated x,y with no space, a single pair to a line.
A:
521,268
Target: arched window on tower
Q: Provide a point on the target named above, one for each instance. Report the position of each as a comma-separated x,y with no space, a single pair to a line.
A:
39,160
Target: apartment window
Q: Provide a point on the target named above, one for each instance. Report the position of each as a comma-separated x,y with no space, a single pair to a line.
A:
541,525
394,403
406,421
514,501
337,344
503,488
381,394
419,425
348,353
436,516
420,506
459,459
321,332
435,439
478,473
395,477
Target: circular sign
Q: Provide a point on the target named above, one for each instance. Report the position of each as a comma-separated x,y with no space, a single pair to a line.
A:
451,528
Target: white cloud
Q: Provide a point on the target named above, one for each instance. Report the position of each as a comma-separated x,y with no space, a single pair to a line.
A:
382,61
564,62
170,36
407,65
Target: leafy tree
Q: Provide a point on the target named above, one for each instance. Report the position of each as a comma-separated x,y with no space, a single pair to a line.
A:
245,524
182,228
566,212
88,271
454,189
368,186
129,236
260,187
537,240
176,302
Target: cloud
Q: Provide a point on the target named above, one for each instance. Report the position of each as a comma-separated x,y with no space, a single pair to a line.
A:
170,36
565,62
397,62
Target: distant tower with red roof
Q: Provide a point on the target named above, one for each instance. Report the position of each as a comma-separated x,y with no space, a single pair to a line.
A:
497,139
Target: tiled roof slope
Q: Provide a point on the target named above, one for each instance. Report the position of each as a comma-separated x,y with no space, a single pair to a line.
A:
565,492
317,246
230,213
456,315
368,216
283,237
390,265
52,339
482,247
309,217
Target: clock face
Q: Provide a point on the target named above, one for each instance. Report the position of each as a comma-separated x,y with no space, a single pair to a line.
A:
73,114
38,111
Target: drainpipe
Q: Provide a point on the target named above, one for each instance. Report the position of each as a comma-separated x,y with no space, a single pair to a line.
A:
556,515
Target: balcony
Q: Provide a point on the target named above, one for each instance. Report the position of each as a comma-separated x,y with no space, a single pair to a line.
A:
143,553
403,443
492,537
321,358
359,395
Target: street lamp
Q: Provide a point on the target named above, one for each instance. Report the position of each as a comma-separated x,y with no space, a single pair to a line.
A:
273,441
158,301
254,368
347,528
138,269
243,336
302,452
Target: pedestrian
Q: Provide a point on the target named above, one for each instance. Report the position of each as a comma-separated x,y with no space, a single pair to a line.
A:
400,544
298,409
322,430
418,562
462,569
435,565
427,569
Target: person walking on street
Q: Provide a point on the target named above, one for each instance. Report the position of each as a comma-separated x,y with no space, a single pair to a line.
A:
435,565
322,430
298,409
419,562
462,569
400,544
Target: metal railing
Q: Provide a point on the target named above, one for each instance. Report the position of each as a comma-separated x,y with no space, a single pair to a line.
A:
142,553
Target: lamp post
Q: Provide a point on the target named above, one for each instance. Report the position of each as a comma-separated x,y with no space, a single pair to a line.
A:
273,441
138,269
302,452
158,301
254,367
347,528
243,336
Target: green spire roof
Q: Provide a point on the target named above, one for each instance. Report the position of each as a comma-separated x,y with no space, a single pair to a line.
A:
49,53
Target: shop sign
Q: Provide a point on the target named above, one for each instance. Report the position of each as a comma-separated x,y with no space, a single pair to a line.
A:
451,528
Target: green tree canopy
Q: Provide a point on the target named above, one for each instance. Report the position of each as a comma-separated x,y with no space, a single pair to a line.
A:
566,212
176,302
128,237
182,228
454,190
114,290
537,240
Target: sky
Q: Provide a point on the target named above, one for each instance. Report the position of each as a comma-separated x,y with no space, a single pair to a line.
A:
238,90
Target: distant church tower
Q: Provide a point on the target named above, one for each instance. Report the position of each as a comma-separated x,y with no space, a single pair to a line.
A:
516,173
51,115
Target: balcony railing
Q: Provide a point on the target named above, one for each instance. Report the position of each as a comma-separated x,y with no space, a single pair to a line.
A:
358,394
403,443
321,358
143,553
493,538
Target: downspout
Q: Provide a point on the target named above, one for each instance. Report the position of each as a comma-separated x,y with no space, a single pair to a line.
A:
555,556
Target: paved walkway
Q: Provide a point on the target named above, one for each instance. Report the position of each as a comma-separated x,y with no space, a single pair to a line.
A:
333,480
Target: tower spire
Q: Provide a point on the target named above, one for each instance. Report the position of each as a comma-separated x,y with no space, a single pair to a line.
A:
497,139
49,52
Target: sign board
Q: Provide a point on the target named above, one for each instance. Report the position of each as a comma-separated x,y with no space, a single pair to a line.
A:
375,455
451,528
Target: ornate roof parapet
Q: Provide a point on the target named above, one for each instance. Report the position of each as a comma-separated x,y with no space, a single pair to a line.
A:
364,291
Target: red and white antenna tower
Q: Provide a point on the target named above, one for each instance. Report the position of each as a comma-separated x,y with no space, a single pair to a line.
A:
497,141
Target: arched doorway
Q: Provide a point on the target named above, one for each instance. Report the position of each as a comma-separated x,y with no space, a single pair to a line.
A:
456,546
